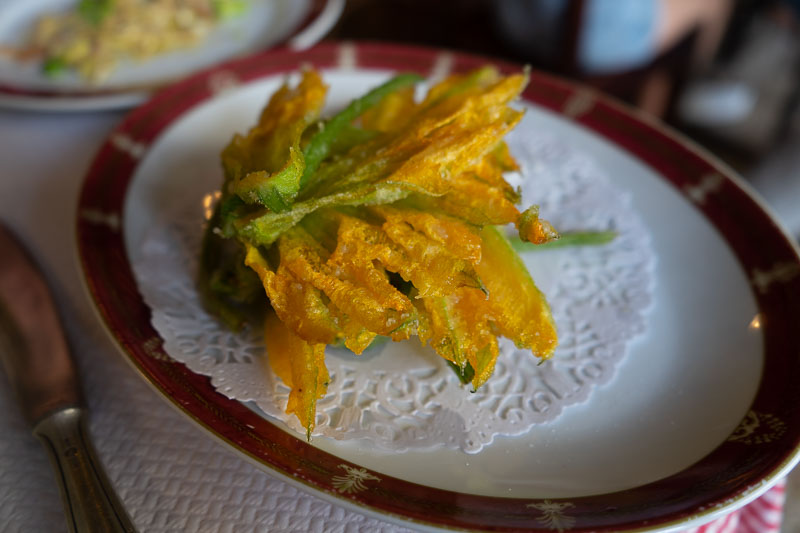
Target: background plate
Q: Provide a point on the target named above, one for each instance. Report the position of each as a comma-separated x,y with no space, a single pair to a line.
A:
297,24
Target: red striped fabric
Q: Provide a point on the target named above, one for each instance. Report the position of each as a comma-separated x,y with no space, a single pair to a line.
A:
762,515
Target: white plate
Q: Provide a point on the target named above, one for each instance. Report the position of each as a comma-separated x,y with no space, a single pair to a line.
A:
267,23
663,446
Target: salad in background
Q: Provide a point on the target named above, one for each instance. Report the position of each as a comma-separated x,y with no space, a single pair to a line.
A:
93,37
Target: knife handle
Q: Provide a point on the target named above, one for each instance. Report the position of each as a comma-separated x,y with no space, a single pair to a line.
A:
90,503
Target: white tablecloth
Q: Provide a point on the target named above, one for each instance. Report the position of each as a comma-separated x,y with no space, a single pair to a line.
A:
170,475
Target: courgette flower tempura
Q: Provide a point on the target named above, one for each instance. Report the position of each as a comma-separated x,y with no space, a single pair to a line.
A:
379,221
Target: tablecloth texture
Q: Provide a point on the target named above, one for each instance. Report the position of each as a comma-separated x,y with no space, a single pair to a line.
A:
170,475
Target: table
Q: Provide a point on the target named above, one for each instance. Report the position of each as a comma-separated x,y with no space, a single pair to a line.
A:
169,474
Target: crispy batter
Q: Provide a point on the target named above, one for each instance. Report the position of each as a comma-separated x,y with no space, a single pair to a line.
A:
458,238
519,310
377,312
391,231
300,365
391,113
300,305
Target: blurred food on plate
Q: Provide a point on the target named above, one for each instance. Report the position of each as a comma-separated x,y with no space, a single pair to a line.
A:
95,35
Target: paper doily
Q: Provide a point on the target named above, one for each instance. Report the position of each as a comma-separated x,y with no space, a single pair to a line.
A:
401,396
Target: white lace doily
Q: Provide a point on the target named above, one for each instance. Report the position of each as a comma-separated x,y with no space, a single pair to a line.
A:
401,396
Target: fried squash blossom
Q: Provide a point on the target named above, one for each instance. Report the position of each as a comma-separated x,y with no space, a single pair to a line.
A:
380,221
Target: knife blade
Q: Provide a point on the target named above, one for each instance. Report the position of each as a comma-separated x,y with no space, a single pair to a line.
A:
37,361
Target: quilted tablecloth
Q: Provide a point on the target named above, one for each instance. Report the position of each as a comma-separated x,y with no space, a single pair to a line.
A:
170,475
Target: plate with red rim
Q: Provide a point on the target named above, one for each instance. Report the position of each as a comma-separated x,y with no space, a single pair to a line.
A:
701,418
267,24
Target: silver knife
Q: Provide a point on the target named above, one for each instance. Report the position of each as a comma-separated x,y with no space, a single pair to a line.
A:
38,363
